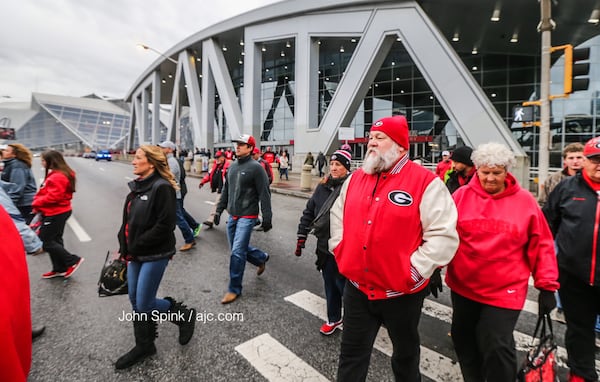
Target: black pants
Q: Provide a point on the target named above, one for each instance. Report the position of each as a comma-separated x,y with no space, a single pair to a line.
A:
362,320
51,234
26,213
483,339
581,304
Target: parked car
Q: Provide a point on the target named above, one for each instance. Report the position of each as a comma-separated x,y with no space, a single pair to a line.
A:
89,155
103,154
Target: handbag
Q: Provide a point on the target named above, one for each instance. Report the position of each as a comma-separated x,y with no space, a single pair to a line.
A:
540,363
36,223
113,277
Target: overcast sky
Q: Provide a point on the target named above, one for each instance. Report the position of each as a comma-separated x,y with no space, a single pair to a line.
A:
78,47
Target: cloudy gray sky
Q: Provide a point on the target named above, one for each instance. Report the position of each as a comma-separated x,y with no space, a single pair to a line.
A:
78,47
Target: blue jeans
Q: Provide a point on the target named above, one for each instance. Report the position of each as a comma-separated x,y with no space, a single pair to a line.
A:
186,230
143,279
334,289
238,234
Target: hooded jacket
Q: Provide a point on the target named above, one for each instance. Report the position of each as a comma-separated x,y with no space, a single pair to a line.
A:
573,212
390,231
54,196
17,172
504,238
148,220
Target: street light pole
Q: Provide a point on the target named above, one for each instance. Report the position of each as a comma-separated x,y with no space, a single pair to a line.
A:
146,47
545,28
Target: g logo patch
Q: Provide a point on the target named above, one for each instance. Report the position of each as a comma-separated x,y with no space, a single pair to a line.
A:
400,198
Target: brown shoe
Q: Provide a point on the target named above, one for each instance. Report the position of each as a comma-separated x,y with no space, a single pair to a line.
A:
229,297
187,246
261,268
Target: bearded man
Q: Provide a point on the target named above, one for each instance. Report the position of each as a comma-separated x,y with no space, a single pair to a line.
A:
392,228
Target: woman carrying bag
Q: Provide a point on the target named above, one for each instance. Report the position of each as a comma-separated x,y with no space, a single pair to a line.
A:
147,242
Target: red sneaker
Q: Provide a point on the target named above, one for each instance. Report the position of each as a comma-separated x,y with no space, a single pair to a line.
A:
575,378
328,328
73,268
52,274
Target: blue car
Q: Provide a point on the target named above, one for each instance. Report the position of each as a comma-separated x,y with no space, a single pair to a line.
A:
103,154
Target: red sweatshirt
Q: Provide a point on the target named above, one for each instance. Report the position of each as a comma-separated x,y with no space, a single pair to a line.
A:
504,239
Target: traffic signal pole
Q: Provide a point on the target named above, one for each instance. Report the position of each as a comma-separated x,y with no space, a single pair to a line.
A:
545,28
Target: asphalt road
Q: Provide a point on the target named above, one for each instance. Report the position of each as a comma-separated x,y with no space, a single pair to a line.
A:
271,332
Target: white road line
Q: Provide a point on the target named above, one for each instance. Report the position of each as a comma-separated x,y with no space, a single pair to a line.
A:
275,362
79,231
209,202
433,365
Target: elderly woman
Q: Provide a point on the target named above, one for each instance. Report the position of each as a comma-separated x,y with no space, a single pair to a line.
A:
315,219
504,238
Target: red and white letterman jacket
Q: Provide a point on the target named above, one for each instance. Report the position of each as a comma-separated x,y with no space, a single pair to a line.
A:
390,231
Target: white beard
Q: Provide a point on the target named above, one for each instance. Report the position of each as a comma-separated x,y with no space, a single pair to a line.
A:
381,162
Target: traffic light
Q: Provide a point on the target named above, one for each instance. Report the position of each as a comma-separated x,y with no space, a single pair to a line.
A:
575,70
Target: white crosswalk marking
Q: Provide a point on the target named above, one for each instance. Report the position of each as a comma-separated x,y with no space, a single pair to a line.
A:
275,362
433,365
78,230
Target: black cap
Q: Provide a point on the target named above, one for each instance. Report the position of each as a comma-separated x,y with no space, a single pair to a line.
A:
463,155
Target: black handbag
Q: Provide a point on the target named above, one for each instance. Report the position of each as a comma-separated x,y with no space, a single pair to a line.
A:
540,363
113,277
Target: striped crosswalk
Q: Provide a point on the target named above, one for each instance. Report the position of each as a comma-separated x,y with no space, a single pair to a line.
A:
276,363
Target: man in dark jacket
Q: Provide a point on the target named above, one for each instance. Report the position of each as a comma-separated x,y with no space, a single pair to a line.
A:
462,169
245,192
572,213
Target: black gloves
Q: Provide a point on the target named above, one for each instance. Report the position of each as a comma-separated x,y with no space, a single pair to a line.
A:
546,302
266,226
217,219
435,282
299,246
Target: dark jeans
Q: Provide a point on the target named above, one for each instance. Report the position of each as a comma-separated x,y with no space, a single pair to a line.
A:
51,234
334,289
483,339
362,320
189,218
581,304
143,280
186,230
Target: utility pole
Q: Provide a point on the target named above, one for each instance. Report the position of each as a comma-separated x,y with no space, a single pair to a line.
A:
545,28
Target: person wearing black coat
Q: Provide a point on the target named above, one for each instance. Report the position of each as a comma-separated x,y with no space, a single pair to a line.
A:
315,219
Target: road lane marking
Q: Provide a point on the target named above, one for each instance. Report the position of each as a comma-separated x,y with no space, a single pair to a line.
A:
78,230
433,365
209,202
275,362
101,168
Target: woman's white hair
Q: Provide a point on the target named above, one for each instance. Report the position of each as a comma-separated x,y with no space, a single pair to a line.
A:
493,154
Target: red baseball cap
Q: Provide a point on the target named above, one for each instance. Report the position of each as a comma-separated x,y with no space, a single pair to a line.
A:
592,147
247,139
256,150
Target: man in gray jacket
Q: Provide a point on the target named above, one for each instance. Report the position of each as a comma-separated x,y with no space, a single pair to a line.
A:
246,191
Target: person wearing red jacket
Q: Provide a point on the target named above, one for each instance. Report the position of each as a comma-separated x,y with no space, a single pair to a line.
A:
53,200
444,165
15,320
504,239
216,178
392,226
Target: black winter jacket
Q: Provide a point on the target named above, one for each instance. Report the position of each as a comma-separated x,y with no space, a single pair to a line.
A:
149,217
572,213
313,206
246,184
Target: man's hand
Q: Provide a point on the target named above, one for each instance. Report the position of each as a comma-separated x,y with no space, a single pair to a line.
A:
266,226
217,219
435,282
299,246
546,302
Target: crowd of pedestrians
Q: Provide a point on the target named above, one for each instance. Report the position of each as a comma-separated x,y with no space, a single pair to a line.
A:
470,219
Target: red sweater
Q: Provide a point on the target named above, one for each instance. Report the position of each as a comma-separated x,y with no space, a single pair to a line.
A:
54,196
504,239
15,319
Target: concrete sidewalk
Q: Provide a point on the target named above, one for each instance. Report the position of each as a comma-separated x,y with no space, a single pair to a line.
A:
286,187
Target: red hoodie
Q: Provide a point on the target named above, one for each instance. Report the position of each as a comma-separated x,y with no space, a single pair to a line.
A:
15,319
54,196
504,239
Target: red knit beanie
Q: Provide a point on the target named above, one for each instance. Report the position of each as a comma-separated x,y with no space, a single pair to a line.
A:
394,127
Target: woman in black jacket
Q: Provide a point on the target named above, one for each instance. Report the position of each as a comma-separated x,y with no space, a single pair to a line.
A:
147,242
315,219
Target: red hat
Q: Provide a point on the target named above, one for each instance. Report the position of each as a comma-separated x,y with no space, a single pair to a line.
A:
256,150
394,127
218,154
247,139
592,147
